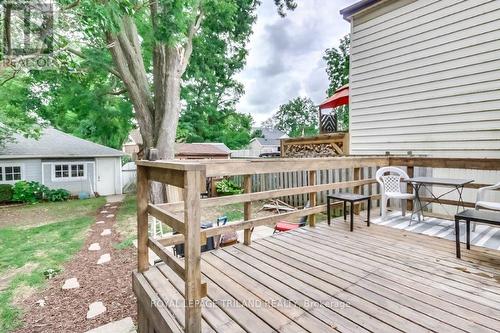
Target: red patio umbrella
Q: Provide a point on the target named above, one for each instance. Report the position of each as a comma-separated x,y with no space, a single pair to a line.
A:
341,97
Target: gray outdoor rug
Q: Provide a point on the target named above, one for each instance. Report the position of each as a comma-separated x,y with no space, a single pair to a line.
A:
485,235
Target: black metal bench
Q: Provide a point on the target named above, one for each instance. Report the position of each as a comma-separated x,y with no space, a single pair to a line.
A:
470,215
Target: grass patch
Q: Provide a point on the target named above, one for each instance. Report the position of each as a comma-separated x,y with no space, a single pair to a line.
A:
44,247
128,242
48,212
234,212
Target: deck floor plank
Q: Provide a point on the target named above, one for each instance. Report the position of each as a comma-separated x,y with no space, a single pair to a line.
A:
397,303
397,300
420,273
292,311
323,266
391,281
460,276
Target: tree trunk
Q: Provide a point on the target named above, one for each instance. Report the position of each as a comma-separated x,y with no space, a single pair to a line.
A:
158,114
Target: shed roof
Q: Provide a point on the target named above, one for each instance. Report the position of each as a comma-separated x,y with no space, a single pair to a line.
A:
54,144
199,149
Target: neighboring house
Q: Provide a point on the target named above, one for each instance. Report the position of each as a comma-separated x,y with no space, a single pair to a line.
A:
60,160
425,77
268,143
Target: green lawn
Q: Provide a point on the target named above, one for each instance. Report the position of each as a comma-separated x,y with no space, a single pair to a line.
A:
47,212
28,251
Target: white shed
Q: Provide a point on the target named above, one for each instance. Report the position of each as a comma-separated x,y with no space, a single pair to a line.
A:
60,160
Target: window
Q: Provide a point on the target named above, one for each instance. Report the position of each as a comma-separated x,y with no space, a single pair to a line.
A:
10,173
69,171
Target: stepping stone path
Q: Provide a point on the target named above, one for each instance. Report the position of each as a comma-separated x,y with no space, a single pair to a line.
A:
71,284
106,232
125,325
104,259
94,247
95,309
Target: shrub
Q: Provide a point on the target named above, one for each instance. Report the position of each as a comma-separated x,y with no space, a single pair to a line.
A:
57,195
5,192
228,187
29,192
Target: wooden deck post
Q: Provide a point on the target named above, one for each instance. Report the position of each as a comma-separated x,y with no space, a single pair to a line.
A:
312,197
409,188
357,189
142,219
192,251
247,209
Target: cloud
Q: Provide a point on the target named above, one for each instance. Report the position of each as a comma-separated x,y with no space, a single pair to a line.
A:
285,55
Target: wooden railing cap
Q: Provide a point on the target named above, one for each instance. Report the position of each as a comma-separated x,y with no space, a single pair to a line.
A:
173,164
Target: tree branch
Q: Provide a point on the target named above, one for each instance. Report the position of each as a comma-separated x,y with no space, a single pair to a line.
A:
71,5
81,55
11,77
188,46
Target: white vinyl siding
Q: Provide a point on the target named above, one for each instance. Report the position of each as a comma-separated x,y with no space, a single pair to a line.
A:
74,185
425,77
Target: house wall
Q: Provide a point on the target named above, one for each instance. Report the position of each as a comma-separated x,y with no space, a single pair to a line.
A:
425,77
30,168
74,186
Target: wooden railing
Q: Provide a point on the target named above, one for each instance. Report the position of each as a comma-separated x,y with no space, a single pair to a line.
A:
185,216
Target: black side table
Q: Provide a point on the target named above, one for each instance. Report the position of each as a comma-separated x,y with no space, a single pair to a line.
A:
471,215
348,197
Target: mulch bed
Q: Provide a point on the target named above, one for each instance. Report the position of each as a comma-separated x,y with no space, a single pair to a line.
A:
110,283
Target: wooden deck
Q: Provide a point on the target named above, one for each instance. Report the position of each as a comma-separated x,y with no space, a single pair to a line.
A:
326,279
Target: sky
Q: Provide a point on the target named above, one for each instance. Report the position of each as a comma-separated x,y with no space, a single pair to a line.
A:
285,55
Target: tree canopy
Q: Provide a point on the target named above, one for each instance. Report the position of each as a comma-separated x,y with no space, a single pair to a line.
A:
337,65
210,90
17,110
298,117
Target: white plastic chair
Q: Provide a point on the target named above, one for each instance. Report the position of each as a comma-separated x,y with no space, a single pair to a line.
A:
481,200
390,187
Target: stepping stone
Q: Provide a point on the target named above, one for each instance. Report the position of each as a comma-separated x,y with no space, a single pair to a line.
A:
71,284
94,247
107,205
126,325
106,232
95,309
110,215
104,259
104,212
100,222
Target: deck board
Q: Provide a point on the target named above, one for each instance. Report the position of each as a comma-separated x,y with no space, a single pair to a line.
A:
300,281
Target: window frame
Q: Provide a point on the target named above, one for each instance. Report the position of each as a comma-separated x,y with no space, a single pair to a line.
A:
70,178
3,174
